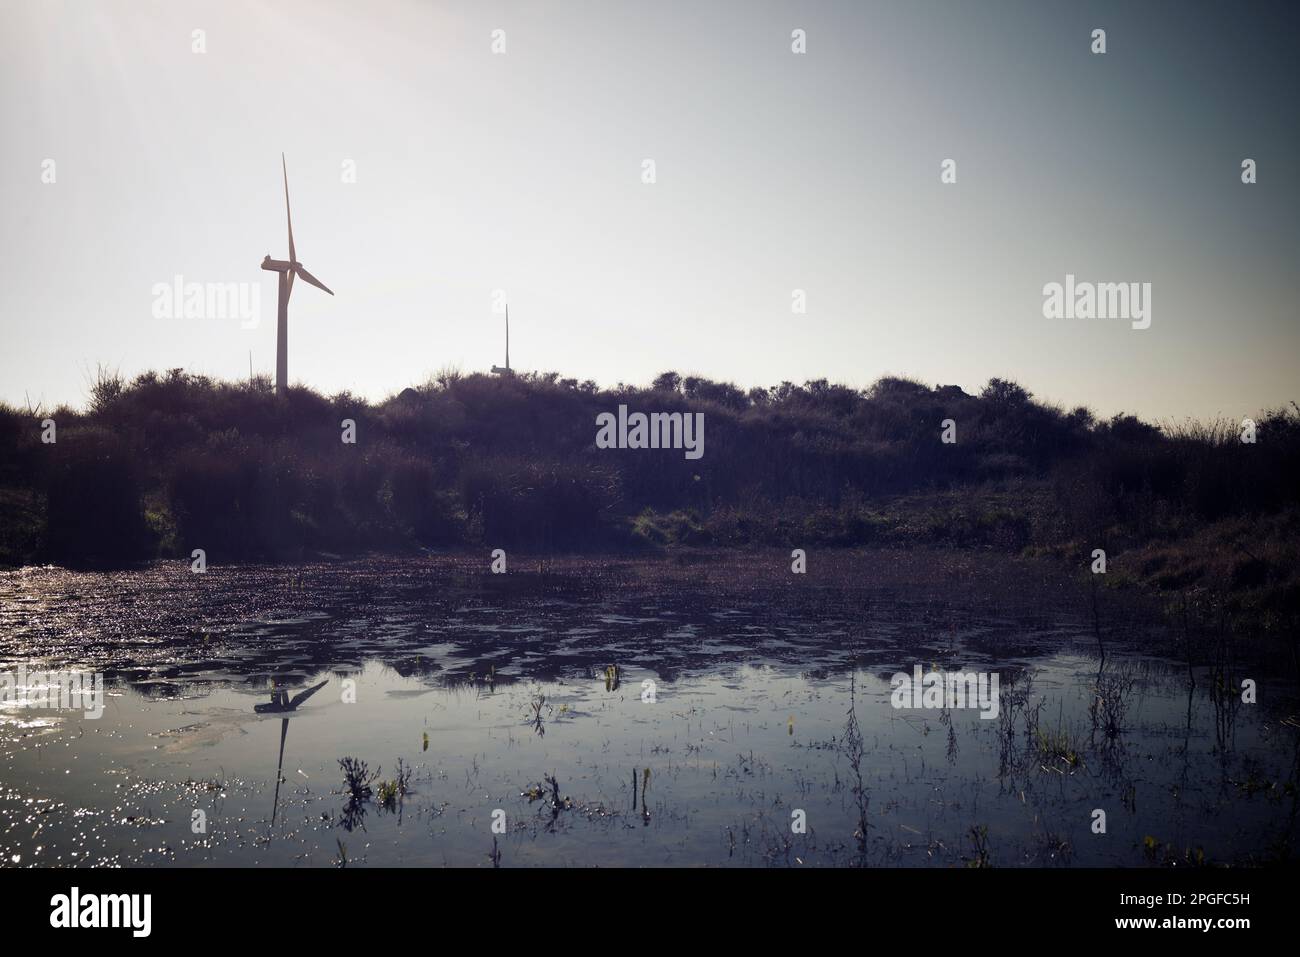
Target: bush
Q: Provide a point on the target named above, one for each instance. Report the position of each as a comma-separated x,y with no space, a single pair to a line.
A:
93,493
510,462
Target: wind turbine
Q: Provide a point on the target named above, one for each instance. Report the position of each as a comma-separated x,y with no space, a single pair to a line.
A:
282,703
287,271
507,370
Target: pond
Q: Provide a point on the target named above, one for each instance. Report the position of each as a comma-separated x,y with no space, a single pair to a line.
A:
712,710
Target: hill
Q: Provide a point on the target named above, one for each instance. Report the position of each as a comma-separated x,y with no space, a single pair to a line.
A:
166,463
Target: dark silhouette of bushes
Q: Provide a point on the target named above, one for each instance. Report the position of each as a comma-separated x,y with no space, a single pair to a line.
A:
535,506
93,500
170,462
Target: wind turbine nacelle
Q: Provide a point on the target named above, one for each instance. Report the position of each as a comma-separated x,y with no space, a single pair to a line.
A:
498,370
276,265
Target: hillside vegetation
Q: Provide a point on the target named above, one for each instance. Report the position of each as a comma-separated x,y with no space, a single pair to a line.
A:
166,463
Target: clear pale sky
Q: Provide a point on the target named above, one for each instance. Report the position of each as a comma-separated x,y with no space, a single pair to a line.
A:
522,171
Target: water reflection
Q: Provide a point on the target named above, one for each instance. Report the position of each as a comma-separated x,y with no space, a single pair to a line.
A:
281,703
767,701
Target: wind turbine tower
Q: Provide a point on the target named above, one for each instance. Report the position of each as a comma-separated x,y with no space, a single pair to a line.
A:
287,271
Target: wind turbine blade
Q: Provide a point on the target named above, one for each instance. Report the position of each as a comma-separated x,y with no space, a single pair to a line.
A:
293,256
312,279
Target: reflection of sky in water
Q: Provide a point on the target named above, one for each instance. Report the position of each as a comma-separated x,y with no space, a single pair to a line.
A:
748,725
731,755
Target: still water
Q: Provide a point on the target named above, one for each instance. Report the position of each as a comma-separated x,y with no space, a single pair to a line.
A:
630,712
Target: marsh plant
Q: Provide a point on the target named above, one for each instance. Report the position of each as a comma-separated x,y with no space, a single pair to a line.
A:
551,790
357,779
1059,744
536,718
854,749
1112,692
550,793
1019,712
391,791
979,838
357,785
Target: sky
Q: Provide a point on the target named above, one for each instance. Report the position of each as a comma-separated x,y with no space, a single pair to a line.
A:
427,172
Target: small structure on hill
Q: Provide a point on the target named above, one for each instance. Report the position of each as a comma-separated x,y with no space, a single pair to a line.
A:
499,370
